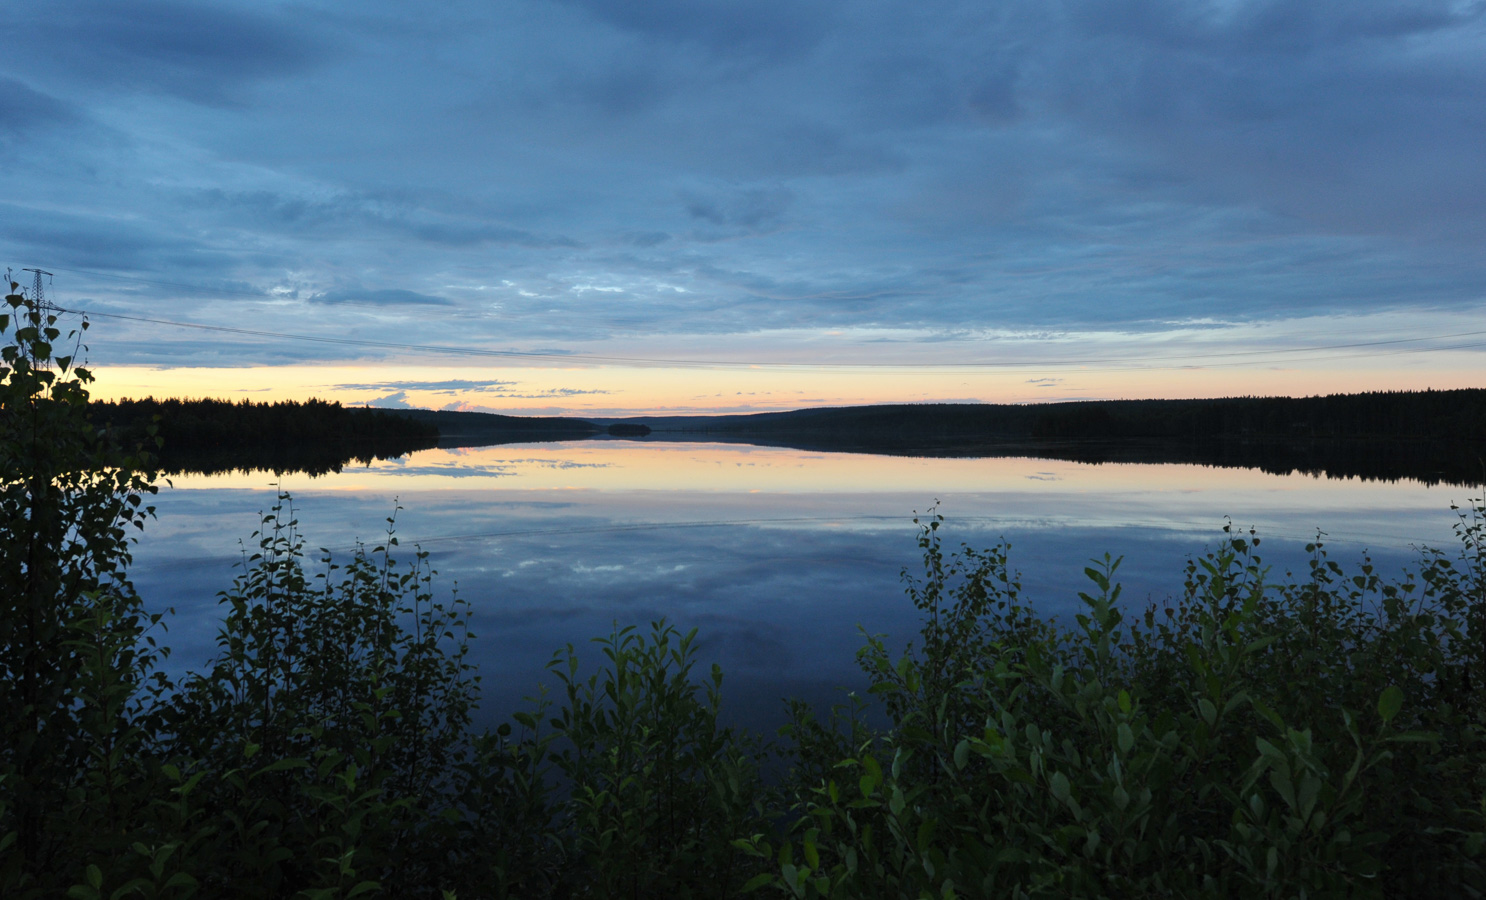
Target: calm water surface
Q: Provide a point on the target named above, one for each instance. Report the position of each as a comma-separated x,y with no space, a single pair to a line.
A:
777,556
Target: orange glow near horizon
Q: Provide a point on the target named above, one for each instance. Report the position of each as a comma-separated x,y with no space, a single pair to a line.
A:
613,391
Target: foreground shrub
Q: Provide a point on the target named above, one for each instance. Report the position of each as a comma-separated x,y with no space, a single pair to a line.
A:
656,786
73,650
348,696
1311,736
625,786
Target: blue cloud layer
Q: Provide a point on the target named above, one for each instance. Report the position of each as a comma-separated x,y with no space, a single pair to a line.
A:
610,170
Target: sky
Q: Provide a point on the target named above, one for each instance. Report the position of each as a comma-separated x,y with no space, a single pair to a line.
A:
609,207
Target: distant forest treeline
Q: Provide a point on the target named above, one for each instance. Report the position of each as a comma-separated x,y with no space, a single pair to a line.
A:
476,429
1457,415
314,436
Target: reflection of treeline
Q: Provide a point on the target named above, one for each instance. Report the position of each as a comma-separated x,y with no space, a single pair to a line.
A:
1427,461
315,436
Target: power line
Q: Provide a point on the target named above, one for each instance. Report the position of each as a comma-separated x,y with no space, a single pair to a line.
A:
746,364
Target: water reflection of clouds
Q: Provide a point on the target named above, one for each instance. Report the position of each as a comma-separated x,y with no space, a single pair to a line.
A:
450,471
777,580
508,469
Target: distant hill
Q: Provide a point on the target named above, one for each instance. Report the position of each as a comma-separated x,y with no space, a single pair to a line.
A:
474,429
1455,415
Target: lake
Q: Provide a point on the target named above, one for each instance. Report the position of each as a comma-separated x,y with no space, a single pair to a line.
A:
777,556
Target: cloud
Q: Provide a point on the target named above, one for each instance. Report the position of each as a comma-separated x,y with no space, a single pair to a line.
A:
748,210
452,384
1316,112
61,239
396,400
559,392
23,109
378,297
770,28
502,389
356,214
198,52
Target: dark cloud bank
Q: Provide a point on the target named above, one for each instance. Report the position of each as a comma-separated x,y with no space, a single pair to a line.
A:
562,171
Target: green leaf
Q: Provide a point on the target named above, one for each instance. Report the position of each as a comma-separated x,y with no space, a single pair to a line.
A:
182,879
1269,751
282,764
925,836
962,754
1390,703
896,801
757,882
1209,712
1059,785
873,776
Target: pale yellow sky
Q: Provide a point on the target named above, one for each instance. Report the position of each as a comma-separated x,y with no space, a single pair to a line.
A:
622,391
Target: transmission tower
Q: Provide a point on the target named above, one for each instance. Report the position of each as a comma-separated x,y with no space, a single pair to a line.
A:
38,294
41,307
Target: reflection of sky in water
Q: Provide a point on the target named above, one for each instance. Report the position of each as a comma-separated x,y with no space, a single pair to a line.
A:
461,467
776,555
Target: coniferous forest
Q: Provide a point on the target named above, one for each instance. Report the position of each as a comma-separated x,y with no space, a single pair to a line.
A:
1315,733
215,435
